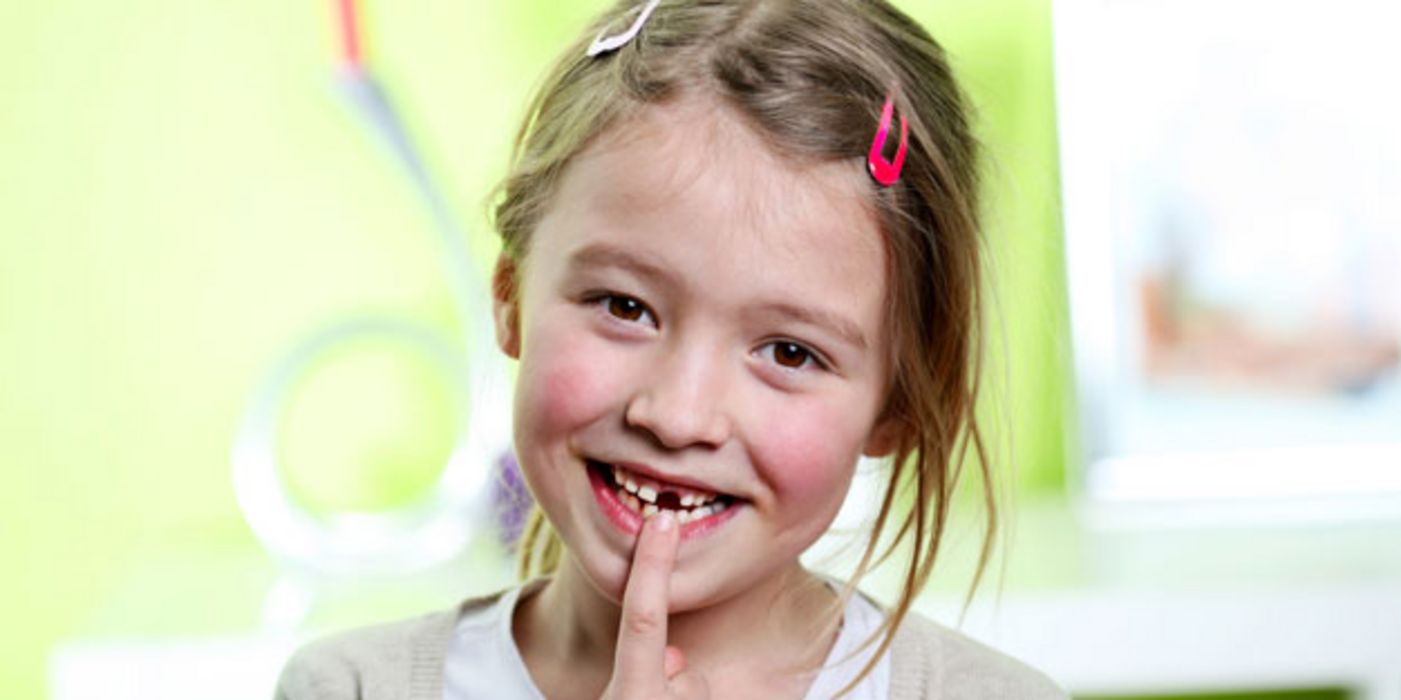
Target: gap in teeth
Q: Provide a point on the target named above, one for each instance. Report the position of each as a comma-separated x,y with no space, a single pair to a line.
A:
648,493
683,515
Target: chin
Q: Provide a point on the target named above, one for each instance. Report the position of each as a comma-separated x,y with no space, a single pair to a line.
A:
692,594
605,570
607,574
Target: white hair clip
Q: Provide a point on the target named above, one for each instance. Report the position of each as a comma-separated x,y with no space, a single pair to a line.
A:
602,44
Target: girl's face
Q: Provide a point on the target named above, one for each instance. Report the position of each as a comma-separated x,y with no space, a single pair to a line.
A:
703,314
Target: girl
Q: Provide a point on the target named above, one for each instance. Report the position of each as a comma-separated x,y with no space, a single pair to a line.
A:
740,250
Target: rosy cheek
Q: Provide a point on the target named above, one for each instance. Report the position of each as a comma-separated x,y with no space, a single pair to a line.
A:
556,395
805,455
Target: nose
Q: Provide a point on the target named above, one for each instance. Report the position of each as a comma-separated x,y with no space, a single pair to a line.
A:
680,400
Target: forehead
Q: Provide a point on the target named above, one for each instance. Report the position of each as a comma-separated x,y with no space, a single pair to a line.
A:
693,154
692,183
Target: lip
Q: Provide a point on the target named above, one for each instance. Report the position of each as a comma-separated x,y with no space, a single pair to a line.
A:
630,523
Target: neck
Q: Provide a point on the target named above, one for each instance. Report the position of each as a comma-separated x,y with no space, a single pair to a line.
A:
782,625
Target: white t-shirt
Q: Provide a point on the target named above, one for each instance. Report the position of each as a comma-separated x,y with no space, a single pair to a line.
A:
483,661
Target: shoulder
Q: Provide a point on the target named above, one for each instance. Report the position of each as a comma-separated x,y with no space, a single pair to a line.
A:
931,660
396,660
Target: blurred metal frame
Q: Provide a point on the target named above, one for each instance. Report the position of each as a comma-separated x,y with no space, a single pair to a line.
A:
437,525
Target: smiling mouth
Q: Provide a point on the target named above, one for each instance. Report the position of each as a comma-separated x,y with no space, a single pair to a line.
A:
647,497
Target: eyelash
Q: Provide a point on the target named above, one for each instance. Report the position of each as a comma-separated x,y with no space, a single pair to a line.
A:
810,356
605,302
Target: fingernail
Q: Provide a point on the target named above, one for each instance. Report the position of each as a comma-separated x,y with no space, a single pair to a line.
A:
665,521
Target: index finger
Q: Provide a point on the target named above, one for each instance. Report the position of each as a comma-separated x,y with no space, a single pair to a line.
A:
641,654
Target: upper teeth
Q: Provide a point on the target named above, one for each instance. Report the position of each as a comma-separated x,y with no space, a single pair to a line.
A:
648,491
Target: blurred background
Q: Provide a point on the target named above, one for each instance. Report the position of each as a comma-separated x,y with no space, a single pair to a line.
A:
244,400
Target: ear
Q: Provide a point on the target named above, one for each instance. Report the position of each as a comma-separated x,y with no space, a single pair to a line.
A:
505,305
885,437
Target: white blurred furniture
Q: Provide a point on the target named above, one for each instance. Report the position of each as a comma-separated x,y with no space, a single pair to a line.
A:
1103,610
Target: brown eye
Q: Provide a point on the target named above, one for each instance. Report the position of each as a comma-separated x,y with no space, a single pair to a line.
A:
790,355
626,308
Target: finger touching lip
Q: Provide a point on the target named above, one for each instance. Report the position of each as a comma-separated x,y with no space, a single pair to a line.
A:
641,654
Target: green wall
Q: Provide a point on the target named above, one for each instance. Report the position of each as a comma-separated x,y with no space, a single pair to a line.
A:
183,195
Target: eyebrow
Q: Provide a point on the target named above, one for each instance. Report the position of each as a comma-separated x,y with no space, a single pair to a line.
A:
839,325
604,255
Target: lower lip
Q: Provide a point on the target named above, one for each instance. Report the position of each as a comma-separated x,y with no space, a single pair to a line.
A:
630,521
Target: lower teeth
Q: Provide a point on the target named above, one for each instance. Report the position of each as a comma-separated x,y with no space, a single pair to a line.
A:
683,516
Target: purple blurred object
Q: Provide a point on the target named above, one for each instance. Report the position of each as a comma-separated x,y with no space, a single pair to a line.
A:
510,500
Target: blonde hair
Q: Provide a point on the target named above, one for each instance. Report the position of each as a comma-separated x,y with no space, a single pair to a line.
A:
810,77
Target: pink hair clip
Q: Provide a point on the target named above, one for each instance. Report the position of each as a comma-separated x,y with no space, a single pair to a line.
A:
887,172
602,44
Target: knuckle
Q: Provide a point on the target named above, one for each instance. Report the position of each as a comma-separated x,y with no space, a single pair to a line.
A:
643,623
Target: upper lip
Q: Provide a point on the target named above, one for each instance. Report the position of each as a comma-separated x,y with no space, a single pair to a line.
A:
651,473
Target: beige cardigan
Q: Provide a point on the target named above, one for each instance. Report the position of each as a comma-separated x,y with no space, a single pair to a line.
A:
405,661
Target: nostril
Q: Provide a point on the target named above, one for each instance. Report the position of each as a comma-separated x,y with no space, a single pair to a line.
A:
674,416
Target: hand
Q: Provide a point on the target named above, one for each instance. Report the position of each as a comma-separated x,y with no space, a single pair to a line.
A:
644,666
